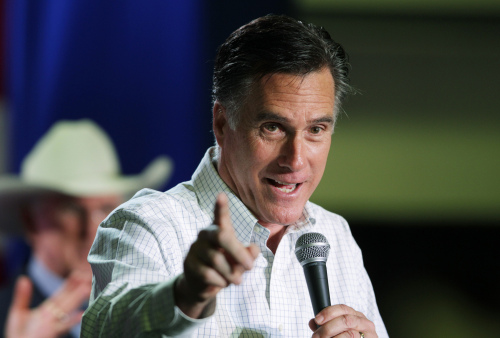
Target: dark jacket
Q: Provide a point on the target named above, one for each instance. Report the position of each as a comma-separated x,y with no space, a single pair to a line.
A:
6,293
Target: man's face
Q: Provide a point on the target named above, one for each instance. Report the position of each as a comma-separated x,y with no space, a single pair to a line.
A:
63,229
276,156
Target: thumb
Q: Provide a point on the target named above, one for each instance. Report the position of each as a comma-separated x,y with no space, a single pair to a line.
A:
22,294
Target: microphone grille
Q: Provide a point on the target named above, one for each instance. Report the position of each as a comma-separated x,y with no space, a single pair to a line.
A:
312,247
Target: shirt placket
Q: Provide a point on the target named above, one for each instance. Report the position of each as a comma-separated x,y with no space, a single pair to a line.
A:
279,294
261,235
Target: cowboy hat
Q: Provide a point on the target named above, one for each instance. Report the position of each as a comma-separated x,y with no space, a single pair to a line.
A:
74,158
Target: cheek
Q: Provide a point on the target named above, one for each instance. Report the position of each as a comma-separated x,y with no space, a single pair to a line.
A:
72,231
249,154
318,158
50,241
263,153
91,235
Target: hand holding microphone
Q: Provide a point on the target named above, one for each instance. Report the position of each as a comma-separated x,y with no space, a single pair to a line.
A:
312,250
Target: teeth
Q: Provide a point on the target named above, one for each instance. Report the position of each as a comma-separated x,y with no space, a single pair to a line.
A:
285,189
289,187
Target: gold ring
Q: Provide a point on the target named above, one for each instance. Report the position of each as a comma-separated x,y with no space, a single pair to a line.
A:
57,312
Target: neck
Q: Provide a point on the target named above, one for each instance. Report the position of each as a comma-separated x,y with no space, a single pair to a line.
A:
277,232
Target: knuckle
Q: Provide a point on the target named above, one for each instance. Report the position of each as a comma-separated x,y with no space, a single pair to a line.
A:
371,326
360,314
223,236
205,275
236,274
217,258
348,321
348,334
202,236
352,334
344,308
193,264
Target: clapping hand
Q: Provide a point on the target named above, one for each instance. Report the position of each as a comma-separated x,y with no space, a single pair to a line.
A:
55,316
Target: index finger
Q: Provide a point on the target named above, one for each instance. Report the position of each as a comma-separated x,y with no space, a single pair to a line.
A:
225,238
222,217
22,294
334,311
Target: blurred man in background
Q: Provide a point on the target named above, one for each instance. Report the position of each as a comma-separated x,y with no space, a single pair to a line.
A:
69,183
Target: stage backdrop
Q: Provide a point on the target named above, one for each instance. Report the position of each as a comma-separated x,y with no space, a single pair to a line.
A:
141,70
135,68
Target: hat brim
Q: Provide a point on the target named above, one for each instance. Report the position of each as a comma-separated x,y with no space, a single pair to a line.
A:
15,192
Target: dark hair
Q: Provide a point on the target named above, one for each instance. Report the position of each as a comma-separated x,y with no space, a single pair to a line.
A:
275,44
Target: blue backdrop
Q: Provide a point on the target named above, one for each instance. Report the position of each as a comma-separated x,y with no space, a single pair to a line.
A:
140,69
134,67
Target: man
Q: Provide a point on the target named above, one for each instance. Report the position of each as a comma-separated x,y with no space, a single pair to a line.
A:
68,184
215,256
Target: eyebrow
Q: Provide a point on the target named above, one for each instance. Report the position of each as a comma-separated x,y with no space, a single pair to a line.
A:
263,116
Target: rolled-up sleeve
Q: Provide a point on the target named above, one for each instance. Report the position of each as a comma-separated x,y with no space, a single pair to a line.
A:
135,264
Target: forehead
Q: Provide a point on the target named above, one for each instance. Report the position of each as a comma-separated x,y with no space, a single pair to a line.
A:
56,200
313,93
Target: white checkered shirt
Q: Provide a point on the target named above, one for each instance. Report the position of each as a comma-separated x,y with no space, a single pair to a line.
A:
140,248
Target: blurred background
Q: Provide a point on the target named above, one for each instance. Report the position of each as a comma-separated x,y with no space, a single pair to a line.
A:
415,160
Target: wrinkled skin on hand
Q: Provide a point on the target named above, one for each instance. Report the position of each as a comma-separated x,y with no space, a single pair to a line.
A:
341,321
215,260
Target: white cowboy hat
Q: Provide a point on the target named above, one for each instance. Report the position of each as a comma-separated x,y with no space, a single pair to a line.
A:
75,158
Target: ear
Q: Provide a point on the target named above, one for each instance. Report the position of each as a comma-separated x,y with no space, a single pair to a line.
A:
219,123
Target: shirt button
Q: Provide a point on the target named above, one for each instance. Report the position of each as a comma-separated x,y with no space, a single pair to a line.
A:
280,327
257,230
312,220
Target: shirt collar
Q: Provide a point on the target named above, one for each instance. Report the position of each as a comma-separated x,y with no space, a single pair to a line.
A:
45,280
306,223
208,184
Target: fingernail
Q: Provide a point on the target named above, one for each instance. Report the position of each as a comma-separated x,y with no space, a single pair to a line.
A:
222,197
319,319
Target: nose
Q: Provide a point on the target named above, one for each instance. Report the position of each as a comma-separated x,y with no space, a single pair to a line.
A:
293,153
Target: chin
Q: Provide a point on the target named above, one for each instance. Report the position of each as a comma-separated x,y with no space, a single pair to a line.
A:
285,216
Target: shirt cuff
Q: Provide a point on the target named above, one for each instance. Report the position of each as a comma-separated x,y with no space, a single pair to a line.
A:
180,323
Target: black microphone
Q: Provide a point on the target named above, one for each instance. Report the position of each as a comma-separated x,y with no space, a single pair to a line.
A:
312,251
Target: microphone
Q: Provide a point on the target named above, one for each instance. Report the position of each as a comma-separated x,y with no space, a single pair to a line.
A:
312,251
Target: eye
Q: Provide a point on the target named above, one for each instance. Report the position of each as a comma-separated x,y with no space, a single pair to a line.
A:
271,127
316,130
70,208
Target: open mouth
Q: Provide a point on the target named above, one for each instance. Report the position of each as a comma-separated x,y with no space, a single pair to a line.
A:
283,186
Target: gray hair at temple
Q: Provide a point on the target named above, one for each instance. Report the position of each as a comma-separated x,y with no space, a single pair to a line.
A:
275,44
